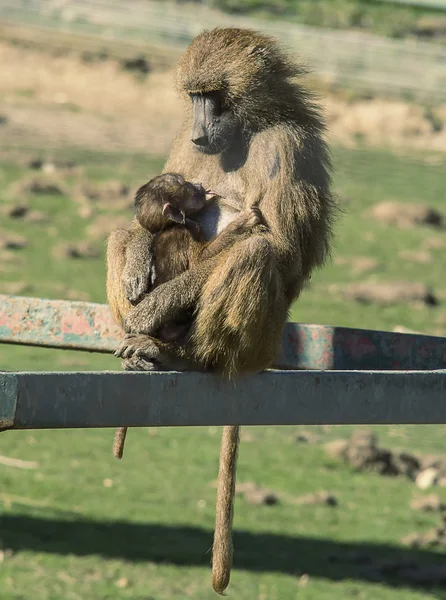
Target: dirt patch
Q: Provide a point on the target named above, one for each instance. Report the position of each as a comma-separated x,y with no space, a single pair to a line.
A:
51,166
434,244
113,195
407,215
433,537
23,212
12,241
421,257
307,437
385,294
382,122
362,452
430,503
80,250
16,288
39,185
92,102
324,498
360,265
255,494
103,225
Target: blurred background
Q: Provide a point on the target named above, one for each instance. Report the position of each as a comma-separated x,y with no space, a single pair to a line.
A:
88,112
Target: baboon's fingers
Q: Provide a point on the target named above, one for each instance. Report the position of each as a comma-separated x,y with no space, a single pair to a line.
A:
135,288
136,363
126,348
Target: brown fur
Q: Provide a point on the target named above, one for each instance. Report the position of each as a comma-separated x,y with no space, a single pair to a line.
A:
242,298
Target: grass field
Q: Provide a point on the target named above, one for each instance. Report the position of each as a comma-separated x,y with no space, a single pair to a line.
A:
84,526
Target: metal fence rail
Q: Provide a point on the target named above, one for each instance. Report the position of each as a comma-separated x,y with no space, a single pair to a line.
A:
356,59
356,376
74,400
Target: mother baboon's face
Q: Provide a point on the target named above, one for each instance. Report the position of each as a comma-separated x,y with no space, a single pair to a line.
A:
214,124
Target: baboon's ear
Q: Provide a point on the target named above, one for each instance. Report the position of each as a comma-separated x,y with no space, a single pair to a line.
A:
174,214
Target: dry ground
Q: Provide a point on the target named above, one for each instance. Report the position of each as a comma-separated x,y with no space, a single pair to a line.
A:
57,100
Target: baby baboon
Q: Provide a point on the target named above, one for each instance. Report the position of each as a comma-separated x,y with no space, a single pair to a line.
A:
252,134
163,206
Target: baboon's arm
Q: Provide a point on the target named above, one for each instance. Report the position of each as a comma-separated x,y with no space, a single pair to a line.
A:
170,299
139,271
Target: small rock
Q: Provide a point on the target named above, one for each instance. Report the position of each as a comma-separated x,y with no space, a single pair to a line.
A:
427,478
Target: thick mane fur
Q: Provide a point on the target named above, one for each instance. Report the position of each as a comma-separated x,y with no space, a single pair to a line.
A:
246,66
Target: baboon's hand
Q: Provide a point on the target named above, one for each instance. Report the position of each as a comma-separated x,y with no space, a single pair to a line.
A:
137,346
248,219
153,311
137,279
169,301
253,216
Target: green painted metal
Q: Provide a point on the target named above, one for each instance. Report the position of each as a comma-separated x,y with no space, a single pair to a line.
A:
8,400
110,399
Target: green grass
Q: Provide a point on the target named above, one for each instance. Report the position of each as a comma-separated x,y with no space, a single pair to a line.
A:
84,526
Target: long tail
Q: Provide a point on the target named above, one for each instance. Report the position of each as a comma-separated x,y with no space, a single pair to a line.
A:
118,445
223,546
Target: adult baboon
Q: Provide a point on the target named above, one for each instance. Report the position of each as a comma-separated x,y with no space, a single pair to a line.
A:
252,134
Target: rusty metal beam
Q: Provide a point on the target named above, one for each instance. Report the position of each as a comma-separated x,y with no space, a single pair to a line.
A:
88,326
110,399
57,324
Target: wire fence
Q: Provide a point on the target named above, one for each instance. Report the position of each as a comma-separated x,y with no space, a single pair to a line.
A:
357,60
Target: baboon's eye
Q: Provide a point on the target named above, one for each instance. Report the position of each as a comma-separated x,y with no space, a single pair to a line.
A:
217,103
